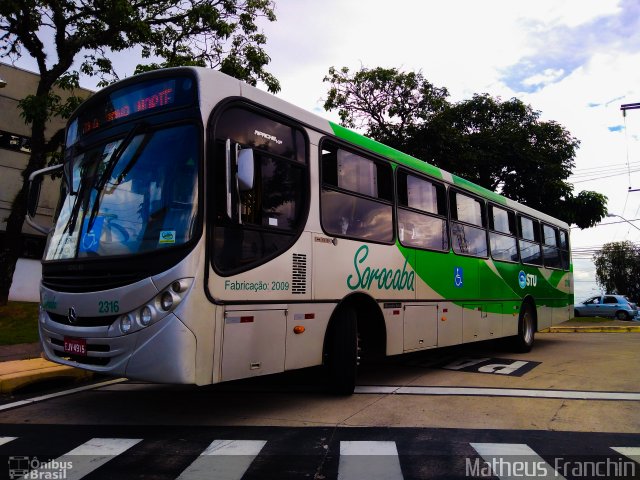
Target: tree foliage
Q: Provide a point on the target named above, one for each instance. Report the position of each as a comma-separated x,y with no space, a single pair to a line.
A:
390,105
618,269
501,145
59,34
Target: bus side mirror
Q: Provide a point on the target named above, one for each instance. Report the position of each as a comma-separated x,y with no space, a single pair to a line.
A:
33,196
245,169
68,177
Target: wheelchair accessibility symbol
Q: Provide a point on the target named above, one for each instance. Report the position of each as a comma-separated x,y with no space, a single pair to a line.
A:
90,240
458,277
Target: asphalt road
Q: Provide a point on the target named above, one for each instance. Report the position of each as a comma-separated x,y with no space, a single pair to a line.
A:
467,412
316,452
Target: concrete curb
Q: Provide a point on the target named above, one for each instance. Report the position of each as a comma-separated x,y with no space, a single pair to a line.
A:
592,329
20,373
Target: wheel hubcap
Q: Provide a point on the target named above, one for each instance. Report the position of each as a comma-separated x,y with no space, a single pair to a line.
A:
527,326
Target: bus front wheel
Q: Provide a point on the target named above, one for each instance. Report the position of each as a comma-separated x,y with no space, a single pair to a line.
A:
523,341
342,362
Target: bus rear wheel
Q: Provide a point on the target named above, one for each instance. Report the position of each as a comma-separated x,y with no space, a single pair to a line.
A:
523,341
342,362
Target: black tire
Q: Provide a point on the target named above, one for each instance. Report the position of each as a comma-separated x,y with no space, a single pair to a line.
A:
622,315
342,346
523,342
576,313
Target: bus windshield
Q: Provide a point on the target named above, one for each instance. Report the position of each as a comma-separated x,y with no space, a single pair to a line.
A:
131,195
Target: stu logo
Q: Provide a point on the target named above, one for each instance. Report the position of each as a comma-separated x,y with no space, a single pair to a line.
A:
527,279
385,278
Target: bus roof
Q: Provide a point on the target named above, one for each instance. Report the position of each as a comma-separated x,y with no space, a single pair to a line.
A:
234,87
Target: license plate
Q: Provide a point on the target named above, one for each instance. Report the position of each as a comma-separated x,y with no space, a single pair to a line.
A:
76,346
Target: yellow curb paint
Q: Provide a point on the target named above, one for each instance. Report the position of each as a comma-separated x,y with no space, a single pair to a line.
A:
603,329
19,373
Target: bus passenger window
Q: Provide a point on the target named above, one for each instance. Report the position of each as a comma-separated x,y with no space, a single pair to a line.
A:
422,213
357,195
530,250
564,249
550,250
502,226
468,234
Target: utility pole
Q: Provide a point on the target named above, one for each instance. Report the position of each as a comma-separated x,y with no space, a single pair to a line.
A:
624,108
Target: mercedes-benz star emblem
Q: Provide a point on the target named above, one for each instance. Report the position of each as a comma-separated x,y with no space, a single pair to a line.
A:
72,316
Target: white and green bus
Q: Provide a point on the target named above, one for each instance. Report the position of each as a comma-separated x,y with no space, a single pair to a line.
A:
208,231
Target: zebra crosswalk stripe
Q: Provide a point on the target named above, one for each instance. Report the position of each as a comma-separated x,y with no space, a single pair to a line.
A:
87,457
630,452
511,460
4,440
230,460
370,460
224,460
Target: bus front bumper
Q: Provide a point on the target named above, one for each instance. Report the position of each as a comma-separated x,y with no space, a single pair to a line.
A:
164,352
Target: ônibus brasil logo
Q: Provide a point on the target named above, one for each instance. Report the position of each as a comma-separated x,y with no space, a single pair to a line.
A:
385,278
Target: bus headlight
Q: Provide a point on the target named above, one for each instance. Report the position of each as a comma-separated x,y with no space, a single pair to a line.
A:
166,301
146,315
154,310
125,324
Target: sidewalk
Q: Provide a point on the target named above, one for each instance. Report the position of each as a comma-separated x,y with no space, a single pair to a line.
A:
587,325
22,365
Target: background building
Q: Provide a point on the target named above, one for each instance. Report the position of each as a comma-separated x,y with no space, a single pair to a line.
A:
16,84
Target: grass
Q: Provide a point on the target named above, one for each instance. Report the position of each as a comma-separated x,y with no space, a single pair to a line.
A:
18,323
591,319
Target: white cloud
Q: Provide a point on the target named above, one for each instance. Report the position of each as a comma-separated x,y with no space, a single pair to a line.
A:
549,75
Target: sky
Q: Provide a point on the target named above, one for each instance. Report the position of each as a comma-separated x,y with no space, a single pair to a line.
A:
576,61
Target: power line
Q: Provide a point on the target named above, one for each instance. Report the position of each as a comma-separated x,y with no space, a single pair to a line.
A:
607,176
611,223
586,172
604,167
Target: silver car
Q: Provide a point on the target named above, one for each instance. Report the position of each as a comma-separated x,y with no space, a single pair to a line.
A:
614,306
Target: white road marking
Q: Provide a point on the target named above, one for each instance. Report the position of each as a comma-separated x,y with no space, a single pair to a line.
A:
42,398
630,452
84,459
224,460
499,392
370,460
4,440
515,460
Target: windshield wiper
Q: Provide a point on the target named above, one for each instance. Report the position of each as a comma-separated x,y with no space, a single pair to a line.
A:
113,161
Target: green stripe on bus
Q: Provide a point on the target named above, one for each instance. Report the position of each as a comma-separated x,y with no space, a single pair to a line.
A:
385,151
477,189
498,287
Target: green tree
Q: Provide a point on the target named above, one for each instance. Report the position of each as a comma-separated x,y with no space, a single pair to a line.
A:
389,105
501,145
59,34
618,269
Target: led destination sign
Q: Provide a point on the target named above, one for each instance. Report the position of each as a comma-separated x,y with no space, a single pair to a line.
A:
121,104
